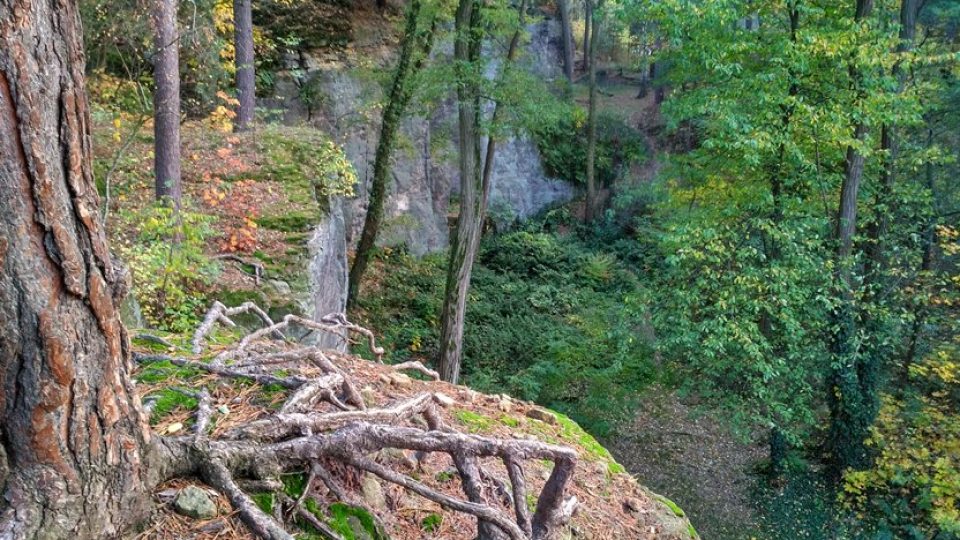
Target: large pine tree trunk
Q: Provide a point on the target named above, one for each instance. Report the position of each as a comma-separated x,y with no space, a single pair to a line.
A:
243,45
166,101
73,441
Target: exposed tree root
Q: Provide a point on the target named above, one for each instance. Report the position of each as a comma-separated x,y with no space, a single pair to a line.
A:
305,436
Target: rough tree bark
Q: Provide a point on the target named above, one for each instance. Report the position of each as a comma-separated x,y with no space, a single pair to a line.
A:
166,101
852,398
464,243
590,205
72,435
566,33
243,47
414,49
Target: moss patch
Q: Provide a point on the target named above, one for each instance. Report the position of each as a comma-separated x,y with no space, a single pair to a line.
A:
571,431
475,423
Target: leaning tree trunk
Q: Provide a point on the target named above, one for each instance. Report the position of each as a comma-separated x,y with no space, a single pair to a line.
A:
590,206
400,93
852,399
566,32
73,440
467,237
243,45
166,101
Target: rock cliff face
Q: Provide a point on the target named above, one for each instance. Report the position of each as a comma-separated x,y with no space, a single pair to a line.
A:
337,98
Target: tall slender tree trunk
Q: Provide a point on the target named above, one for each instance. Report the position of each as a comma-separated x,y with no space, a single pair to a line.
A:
246,79
401,91
590,205
467,237
587,27
853,400
74,445
166,101
566,34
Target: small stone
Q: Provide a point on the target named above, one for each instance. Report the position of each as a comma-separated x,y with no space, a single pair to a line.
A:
504,405
174,427
280,287
373,493
401,380
223,409
444,400
632,505
369,396
542,415
194,502
214,527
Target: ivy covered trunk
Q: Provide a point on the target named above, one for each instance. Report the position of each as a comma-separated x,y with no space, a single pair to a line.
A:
401,91
243,45
73,440
854,379
166,100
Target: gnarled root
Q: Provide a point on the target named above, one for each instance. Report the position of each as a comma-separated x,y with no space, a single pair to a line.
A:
305,435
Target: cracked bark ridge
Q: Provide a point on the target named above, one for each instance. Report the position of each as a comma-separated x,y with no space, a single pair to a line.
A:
74,447
303,436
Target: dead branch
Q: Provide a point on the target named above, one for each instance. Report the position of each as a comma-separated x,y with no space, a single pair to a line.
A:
301,436
220,312
218,476
258,271
414,365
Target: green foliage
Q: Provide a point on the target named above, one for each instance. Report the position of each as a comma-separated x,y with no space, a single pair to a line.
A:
535,333
562,141
913,488
303,156
170,271
431,523
119,41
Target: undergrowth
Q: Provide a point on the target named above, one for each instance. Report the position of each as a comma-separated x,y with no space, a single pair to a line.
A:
550,319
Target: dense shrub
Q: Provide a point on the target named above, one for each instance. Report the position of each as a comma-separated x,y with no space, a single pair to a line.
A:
549,320
562,141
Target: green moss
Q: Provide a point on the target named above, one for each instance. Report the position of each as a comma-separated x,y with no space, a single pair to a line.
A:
231,298
572,432
431,523
509,421
167,401
339,521
294,484
475,423
677,511
264,501
165,371
692,531
292,222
